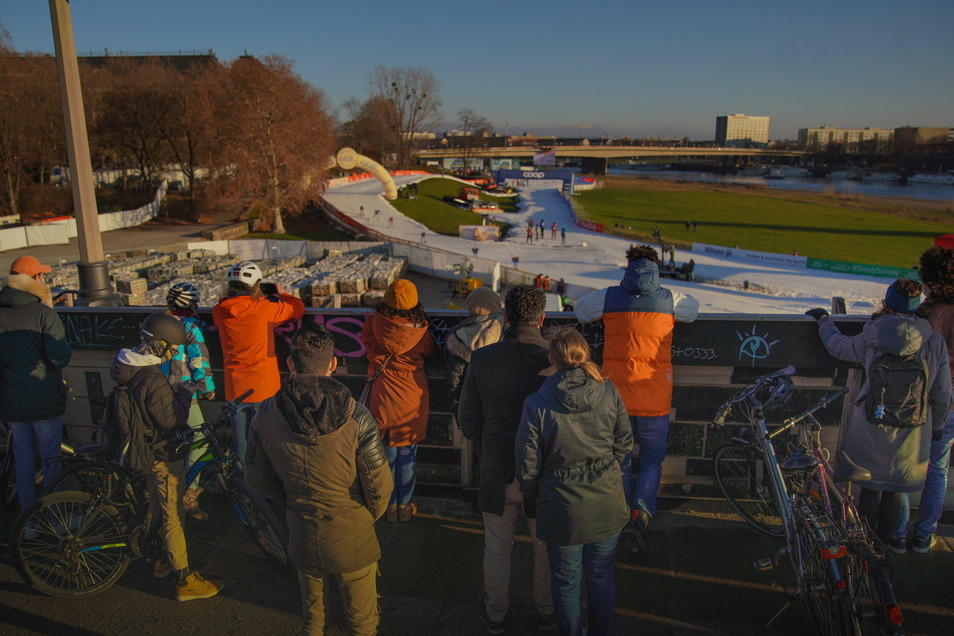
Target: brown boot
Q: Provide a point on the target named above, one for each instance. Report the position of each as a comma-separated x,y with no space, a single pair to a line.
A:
191,502
406,511
392,514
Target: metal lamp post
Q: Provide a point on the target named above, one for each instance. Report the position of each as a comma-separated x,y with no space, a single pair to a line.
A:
95,288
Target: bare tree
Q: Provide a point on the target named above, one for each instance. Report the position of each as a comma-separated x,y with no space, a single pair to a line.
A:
366,129
132,111
415,106
273,137
474,130
31,127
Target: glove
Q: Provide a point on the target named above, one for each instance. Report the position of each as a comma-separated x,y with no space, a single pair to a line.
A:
818,313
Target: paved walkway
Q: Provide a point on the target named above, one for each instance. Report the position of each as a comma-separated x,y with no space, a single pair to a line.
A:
698,581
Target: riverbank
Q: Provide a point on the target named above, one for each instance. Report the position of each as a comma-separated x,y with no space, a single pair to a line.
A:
903,207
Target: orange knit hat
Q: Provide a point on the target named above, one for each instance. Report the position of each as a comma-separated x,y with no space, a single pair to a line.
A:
401,294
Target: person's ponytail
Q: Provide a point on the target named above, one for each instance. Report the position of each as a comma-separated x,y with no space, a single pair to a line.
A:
569,350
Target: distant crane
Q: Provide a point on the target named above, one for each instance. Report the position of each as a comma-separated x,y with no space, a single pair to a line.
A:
580,127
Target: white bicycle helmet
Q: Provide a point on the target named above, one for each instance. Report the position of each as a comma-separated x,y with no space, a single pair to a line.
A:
182,295
777,394
245,272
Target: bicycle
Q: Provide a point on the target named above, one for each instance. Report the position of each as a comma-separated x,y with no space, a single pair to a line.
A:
71,544
842,570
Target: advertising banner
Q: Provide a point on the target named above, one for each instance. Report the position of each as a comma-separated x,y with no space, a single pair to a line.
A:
504,164
861,269
592,226
767,258
479,232
543,157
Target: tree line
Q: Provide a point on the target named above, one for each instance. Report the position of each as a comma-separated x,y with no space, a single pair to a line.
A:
260,135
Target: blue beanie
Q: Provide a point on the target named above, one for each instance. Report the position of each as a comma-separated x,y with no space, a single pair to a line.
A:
899,303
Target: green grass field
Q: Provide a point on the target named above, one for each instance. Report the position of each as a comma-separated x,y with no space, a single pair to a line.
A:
441,217
768,224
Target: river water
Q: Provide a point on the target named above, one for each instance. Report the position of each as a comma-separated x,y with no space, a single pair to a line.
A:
924,191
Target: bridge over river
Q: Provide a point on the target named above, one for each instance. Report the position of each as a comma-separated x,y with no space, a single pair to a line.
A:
595,159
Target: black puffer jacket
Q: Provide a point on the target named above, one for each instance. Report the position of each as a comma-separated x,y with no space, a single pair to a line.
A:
33,350
573,435
166,407
314,448
499,378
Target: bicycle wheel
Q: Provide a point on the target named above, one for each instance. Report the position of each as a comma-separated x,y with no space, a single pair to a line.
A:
85,476
69,545
743,477
8,484
827,608
261,522
873,604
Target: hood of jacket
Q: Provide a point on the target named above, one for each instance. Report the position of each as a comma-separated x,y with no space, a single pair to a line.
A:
473,333
238,304
898,334
641,277
20,289
395,335
574,390
313,405
128,362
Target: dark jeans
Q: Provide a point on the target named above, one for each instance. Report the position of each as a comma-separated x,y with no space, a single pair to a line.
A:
880,509
568,563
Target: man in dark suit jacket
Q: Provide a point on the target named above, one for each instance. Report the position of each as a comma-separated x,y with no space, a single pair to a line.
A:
499,378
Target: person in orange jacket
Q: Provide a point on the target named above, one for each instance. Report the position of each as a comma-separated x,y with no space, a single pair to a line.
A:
246,319
398,340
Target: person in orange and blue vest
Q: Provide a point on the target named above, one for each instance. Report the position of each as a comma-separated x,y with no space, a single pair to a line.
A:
638,317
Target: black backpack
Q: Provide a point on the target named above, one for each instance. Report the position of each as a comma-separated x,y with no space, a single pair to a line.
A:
897,391
130,438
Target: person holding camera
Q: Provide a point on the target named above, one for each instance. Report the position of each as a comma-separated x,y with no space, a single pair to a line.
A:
246,318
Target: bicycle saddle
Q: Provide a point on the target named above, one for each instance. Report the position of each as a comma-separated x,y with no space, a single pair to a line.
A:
849,470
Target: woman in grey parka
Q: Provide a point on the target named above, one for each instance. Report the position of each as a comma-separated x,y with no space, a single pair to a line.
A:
897,456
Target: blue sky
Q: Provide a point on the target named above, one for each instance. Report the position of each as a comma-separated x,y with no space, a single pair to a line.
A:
633,68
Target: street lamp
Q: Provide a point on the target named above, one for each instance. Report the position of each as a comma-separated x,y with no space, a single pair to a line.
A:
95,289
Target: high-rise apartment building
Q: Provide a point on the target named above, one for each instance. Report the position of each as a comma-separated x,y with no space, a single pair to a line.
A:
907,137
742,131
849,139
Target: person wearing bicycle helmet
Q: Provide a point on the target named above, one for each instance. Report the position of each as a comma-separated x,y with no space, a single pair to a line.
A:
246,319
190,364
163,408
33,352
895,451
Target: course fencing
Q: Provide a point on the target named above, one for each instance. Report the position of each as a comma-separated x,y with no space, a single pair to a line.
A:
60,232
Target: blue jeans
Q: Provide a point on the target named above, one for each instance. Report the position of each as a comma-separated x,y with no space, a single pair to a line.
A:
651,433
45,436
403,463
240,423
935,486
567,565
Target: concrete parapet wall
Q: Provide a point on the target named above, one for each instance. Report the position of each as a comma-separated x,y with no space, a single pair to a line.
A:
712,358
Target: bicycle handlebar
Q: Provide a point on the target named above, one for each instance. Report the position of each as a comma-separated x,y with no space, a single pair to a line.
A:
748,393
822,403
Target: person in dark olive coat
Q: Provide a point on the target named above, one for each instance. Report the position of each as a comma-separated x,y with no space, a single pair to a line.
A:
33,352
573,436
315,449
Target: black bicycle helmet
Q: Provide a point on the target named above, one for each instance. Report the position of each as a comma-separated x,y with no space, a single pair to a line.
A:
182,295
162,327
778,393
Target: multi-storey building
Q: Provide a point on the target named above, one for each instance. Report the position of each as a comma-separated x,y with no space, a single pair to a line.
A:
907,137
742,131
849,139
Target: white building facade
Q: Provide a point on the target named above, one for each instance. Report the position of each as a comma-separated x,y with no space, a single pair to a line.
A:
817,139
742,131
